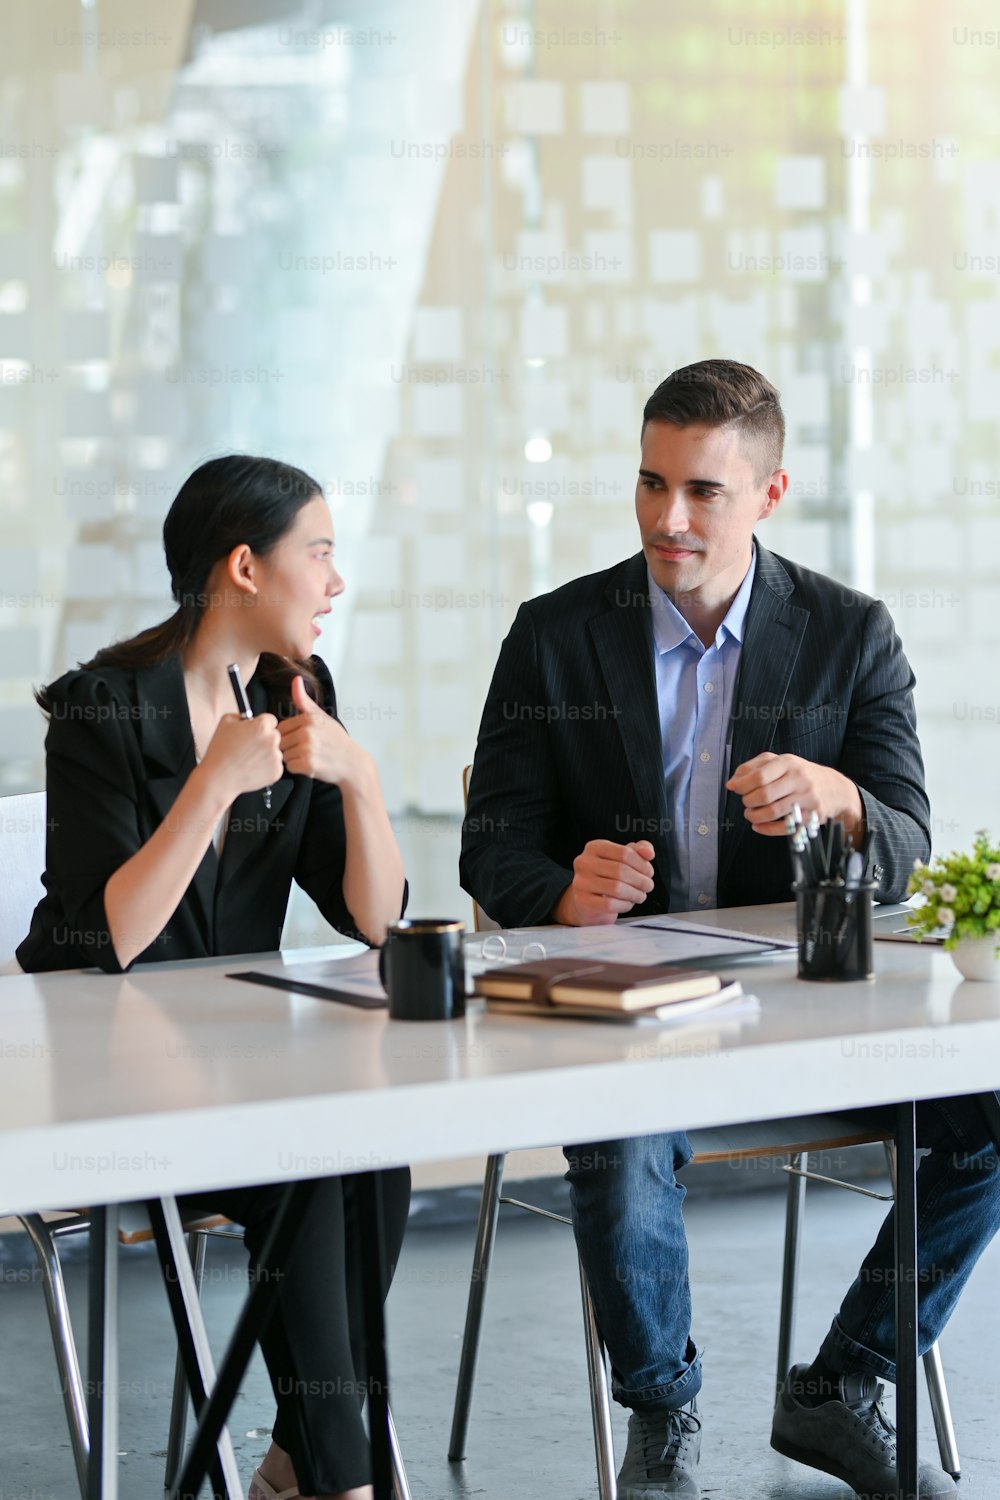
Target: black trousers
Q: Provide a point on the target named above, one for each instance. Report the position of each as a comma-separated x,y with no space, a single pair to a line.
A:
314,1343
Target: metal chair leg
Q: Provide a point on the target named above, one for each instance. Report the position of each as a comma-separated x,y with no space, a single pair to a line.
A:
890,1160
794,1212
400,1484
197,1246
600,1401
944,1427
486,1231
63,1342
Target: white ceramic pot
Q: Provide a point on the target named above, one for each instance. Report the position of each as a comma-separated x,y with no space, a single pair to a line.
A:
976,958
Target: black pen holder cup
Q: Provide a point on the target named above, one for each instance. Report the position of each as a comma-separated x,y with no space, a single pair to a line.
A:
834,925
422,967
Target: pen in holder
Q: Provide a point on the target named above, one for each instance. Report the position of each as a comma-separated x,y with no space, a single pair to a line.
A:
835,930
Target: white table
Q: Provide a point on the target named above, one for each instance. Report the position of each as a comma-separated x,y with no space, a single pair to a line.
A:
175,1078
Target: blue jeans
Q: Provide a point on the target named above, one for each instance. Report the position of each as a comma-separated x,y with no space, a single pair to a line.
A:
626,1205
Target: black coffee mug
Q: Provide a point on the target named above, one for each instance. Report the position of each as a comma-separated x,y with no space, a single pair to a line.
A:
422,968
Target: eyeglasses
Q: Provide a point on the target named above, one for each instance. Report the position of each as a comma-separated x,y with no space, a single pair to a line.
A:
495,950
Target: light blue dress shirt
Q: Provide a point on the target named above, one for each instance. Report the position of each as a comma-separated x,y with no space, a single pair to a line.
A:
695,686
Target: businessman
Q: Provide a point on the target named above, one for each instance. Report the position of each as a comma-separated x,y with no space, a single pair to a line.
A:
646,732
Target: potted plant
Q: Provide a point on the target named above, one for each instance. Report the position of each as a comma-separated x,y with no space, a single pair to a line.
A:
962,894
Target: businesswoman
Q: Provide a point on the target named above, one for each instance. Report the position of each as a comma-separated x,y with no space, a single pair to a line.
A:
175,830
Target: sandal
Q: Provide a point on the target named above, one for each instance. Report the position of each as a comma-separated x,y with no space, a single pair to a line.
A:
261,1490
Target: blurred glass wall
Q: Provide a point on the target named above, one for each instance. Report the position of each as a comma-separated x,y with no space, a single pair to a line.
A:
439,255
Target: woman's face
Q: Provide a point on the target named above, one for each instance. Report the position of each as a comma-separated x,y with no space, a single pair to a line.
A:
295,583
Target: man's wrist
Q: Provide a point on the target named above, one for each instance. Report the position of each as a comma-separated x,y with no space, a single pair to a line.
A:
564,912
852,814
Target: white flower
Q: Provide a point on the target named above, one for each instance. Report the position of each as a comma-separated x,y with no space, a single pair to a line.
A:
945,916
993,872
948,893
928,888
918,864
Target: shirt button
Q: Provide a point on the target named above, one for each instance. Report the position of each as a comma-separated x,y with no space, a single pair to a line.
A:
702,899
704,757
709,687
702,827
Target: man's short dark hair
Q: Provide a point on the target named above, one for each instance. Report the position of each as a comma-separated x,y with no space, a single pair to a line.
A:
722,393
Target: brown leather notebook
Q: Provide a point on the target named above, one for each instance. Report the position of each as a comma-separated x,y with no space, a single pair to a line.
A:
604,985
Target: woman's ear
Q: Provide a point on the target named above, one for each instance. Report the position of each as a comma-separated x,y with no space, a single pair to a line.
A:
241,571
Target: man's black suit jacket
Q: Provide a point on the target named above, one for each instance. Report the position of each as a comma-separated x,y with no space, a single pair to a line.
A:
118,750
569,746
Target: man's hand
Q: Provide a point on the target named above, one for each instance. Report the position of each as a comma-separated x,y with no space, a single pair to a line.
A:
608,879
771,785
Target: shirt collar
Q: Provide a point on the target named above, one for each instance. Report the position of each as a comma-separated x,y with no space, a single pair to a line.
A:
670,629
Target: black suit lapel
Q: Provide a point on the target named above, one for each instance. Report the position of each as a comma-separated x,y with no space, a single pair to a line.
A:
249,821
168,751
623,641
772,639
165,721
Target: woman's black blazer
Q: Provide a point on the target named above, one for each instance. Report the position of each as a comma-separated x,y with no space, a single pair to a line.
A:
118,750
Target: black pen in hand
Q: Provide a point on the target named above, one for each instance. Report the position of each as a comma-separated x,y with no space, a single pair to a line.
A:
245,712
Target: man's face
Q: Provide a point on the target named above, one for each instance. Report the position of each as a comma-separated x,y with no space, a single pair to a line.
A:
697,500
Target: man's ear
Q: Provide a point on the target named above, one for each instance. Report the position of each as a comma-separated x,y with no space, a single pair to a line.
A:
777,487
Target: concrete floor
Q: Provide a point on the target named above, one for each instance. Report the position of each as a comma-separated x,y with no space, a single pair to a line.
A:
530,1435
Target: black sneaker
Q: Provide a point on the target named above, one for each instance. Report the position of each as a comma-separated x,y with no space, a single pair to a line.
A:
850,1437
662,1455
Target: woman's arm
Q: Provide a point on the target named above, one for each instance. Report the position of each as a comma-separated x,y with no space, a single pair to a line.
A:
143,893
373,865
349,859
